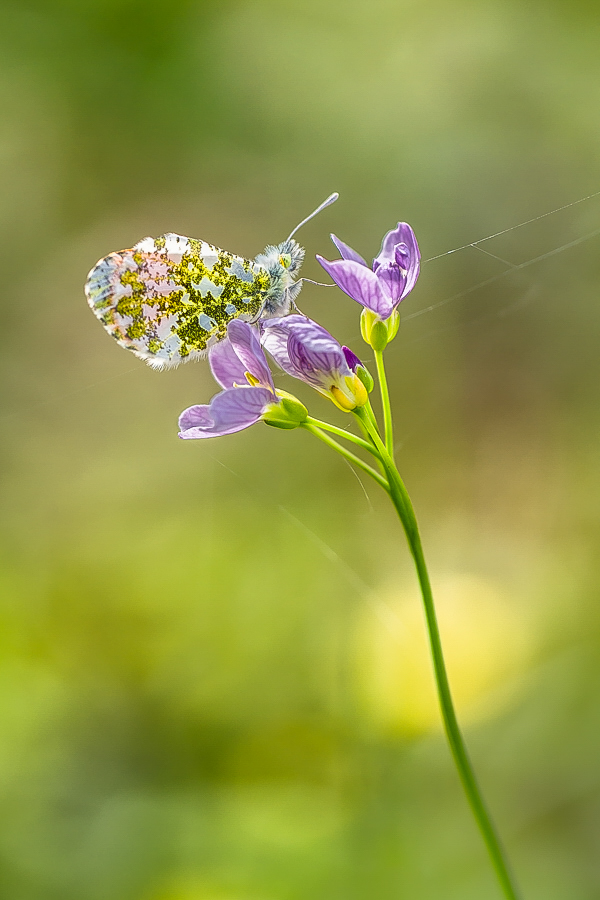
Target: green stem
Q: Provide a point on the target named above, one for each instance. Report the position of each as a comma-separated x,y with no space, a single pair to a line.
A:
385,402
347,435
351,457
371,414
404,507
368,431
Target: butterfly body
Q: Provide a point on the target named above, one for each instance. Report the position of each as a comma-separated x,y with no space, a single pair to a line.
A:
168,299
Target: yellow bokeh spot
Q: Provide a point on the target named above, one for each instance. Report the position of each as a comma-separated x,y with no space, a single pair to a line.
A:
487,641
190,889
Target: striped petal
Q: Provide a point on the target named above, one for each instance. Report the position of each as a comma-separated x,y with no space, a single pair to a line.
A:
230,411
360,283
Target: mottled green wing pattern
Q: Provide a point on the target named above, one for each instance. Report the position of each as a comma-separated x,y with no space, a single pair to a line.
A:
169,298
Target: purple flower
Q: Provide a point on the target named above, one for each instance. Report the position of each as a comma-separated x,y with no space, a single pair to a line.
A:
239,365
308,352
392,278
302,348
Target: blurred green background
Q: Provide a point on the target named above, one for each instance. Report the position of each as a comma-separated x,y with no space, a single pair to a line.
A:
214,682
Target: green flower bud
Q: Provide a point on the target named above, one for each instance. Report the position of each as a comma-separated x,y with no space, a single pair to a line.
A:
285,424
378,337
288,413
376,332
294,409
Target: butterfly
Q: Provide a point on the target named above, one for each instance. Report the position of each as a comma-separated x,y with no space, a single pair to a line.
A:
169,299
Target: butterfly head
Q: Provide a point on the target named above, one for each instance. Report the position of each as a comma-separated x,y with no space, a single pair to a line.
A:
291,256
283,261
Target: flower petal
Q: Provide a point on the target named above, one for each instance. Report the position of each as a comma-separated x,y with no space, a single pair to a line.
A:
352,359
316,355
360,283
246,344
305,350
225,364
347,252
414,259
401,234
231,410
275,334
195,417
399,248
394,281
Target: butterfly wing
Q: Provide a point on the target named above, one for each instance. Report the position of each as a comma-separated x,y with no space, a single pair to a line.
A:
169,298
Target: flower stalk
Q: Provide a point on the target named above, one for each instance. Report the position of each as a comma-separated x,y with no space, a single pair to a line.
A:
385,403
346,435
402,502
347,454
394,486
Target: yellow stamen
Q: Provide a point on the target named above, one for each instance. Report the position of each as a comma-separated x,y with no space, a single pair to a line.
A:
340,399
358,389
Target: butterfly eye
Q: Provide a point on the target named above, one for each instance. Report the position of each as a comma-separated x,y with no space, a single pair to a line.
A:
286,260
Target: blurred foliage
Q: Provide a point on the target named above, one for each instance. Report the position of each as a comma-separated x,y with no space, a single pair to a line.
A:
213,673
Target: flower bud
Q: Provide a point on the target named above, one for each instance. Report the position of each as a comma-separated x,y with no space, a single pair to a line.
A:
288,413
378,336
377,332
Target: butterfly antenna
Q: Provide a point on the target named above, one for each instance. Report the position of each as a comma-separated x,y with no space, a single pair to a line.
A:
331,199
320,283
